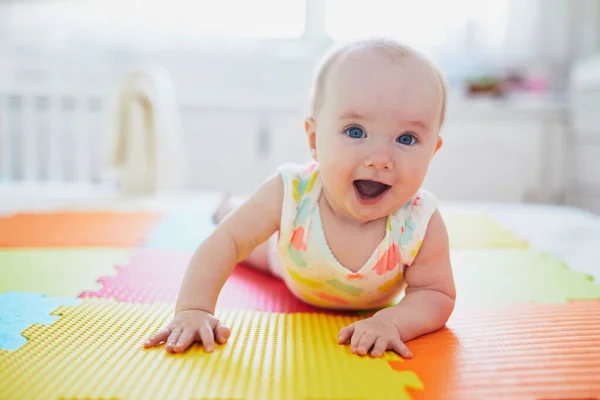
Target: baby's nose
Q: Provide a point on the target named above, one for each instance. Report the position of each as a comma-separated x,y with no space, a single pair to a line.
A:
380,160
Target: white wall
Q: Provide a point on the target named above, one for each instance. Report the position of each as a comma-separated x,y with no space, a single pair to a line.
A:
583,172
230,99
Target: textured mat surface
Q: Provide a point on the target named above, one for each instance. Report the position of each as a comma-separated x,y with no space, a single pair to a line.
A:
57,272
94,351
505,276
544,351
468,230
74,229
155,276
20,310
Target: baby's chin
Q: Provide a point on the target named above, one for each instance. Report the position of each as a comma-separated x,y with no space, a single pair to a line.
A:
370,214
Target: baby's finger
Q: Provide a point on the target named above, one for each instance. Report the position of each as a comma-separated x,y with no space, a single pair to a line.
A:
208,337
222,333
157,338
345,334
365,344
380,346
173,338
356,337
185,340
400,348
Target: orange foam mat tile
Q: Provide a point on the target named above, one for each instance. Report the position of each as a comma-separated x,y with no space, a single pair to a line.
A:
543,351
95,351
76,229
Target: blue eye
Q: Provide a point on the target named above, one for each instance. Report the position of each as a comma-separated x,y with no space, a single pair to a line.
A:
407,139
355,132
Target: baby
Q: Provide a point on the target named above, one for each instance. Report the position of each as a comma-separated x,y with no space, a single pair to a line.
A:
352,229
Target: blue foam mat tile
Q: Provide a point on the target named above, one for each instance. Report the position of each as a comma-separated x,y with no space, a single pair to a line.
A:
18,311
181,231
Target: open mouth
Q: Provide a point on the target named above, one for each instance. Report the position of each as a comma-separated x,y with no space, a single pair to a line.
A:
370,190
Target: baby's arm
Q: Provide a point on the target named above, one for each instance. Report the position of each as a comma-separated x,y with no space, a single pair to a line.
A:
426,307
251,224
430,291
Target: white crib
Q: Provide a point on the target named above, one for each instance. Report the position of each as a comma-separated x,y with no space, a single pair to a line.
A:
52,135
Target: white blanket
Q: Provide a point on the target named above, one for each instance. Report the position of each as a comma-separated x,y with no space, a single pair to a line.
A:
147,140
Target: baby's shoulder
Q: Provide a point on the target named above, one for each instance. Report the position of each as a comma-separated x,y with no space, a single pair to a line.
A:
290,170
421,206
300,180
301,187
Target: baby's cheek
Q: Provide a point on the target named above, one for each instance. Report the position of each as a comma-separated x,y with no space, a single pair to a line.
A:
416,170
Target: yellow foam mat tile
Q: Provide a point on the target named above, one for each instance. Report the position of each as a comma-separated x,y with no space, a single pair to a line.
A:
474,230
57,273
95,351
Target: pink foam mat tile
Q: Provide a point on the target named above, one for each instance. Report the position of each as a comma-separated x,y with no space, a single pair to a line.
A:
155,277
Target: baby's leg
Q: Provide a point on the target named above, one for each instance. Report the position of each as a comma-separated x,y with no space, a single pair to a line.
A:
261,257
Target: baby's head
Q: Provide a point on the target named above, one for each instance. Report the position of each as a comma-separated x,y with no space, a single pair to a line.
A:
376,112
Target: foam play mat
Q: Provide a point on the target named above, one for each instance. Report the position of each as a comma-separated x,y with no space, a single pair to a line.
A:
272,355
77,303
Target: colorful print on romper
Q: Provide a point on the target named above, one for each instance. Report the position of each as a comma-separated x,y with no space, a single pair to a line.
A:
313,272
297,244
392,283
302,186
348,289
408,231
388,261
305,281
331,299
355,275
415,251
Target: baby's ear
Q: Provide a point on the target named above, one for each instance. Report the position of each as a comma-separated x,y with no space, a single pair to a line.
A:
311,135
439,144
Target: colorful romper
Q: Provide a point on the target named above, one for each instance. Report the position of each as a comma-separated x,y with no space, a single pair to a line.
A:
310,269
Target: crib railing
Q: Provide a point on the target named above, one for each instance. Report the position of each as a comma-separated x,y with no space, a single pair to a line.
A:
52,135
58,135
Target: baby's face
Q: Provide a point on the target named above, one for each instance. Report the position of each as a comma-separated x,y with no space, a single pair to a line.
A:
376,132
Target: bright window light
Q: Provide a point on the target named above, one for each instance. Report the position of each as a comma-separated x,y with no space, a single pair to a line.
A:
265,19
259,19
424,23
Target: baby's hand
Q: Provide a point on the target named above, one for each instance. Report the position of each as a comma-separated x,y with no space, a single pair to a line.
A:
188,327
373,332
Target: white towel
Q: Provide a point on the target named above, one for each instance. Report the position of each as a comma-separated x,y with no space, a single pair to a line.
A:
147,148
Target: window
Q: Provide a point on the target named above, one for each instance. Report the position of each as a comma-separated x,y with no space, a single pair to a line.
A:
147,20
424,23
262,19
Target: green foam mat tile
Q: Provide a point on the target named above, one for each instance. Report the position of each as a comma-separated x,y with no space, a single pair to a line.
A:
474,230
505,276
57,272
